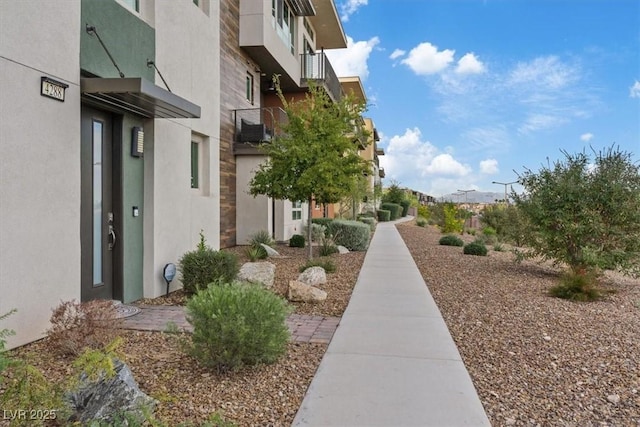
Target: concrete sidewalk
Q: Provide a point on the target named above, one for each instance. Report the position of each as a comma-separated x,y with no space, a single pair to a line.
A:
392,361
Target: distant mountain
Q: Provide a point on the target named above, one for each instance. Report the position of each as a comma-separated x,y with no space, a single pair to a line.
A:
473,197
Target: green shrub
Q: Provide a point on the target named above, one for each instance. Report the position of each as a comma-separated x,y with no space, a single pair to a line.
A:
424,212
261,237
394,208
576,287
322,221
327,247
297,241
384,215
318,231
451,240
475,248
370,214
236,325
255,253
451,222
498,247
489,235
371,222
4,333
421,222
327,264
204,265
405,207
353,235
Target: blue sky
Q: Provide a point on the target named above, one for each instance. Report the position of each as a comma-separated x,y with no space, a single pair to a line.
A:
464,92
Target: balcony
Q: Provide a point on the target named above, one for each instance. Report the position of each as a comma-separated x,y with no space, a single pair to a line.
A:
255,126
381,173
317,68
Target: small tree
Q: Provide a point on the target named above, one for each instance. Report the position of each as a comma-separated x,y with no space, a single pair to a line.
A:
394,194
315,157
584,214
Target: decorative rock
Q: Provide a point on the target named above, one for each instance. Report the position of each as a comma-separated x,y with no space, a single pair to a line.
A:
270,251
613,398
301,292
342,250
258,272
313,276
107,398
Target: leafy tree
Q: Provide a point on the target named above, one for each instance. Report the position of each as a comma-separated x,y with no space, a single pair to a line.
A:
584,214
315,157
394,194
451,223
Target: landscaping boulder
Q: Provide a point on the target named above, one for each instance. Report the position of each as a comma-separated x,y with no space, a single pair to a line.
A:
270,251
301,292
108,398
258,272
342,250
313,276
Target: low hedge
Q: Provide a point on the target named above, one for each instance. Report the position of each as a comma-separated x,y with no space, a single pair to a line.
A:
353,235
405,207
384,215
371,222
394,208
451,240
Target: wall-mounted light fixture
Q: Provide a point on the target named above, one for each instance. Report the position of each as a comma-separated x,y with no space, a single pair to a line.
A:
137,142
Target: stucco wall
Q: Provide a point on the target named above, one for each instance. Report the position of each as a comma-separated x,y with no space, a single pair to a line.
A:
188,56
39,164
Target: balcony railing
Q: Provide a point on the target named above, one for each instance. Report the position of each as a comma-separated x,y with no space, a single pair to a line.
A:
258,125
316,67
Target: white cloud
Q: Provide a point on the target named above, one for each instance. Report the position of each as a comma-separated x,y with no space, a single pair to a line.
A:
586,137
397,54
445,164
349,7
634,91
352,61
535,122
546,72
470,64
426,59
489,166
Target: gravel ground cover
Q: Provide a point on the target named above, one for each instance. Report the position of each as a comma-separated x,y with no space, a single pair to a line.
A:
265,395
535,360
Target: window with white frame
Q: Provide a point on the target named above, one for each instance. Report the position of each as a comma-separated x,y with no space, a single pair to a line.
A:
296,210
132,4
249,87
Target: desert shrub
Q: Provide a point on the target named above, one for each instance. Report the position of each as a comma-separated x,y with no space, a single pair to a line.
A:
236,325
204,265
475,248
424,212
322,221
489,235
4,333
77,326
353,235
327,246
498,247
261,237
371,222
421,222
394,208
384,215
318,231
255,253
576,287
327,264
450,240
297,241
451,222
405,207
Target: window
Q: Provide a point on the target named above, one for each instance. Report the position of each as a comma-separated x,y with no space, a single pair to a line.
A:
296,210
284,22
132,4
307,27
195,166
249,87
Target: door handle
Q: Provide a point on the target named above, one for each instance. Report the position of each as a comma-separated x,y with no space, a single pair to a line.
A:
112,238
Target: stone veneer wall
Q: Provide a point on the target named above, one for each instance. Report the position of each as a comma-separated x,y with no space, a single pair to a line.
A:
234,65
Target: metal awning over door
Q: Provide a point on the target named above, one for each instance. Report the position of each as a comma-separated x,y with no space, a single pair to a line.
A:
137,96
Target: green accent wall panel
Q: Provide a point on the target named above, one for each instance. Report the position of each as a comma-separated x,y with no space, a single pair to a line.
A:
129,39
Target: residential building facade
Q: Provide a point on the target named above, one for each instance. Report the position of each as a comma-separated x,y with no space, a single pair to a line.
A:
109,137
